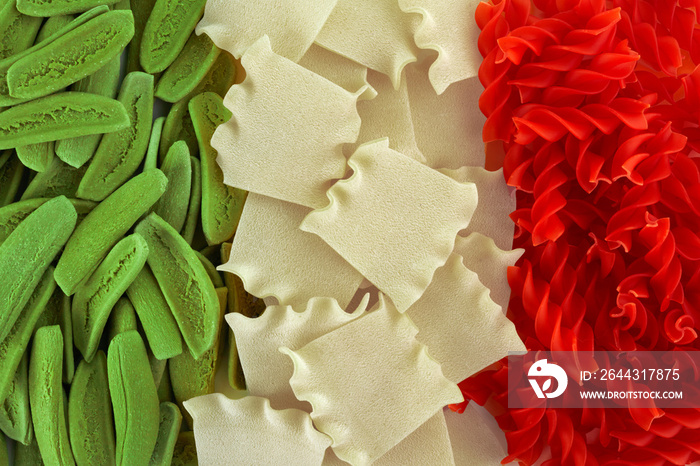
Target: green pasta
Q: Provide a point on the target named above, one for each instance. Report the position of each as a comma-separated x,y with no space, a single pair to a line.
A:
15,416
59,179
195,203
172,206
17,31
168,431
11,170
58,7
37,157
121,319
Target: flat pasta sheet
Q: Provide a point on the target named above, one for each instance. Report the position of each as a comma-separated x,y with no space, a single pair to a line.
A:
273,257
474,442
342,71
448,126
496,202
481,255
387,115
462,327
428,444
374,33
291,25
267,371
248,431
370,383
287,131
449,29
395,220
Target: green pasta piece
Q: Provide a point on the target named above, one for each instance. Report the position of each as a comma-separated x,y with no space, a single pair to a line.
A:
106,225
4,457
141,10
185,453
214,276
58,312
168,431
105,82
195,203
59,179
46,396
120,153
165,391
121,319
67,114
5,99
151,160
157,319
172,206
95,298
12,348
158,322
11,170
90,414
28,455
123,5
26,254
134,399
157,367
184,283
51,26
222,205
168,27
37,157
17,31
177,127
71,57
188,69
195,377
220,77
15,416
58,7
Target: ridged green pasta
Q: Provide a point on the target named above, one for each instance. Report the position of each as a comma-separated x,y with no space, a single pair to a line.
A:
222,205
51,26
90,414
220,77
151,160
157,367
11,170
165,391
188,69
121,319
5,99
46,397
141,10
4,457
184,283
28,455
194,210
177,127
169,25
120,153
172,206
185,453
26,254
157,319
67,114
58,312
134,399
58,7
59,179
71,57
214,276
106,225
13,347
168,431
17,31
37,157
195,377
15,415
95,298
105,82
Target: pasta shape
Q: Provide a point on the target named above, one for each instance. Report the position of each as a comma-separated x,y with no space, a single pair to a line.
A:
473,440
288,148
267,371
448,126
462,327
428,444
374,33
346,73
369,408
292,26
387,221
445,30
248,431
387,115
273,257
